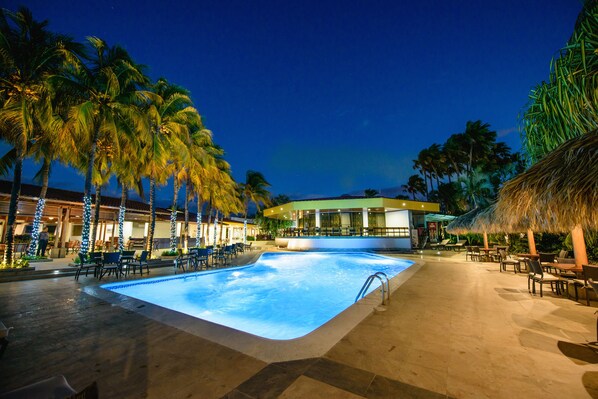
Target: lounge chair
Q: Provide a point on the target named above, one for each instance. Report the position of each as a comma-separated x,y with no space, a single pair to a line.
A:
440,245
459,245
53,387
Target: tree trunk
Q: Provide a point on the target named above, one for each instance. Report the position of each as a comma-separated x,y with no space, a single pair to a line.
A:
96,217
209,222
149,245
173,214
198,234
121,218
12,210
39,208
87,194
186,225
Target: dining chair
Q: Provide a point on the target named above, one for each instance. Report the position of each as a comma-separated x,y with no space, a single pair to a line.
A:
541,277
110,264
505,261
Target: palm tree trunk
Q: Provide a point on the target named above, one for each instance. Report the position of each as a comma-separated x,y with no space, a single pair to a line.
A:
87,194
39,208
186,225
216,227
209,222
121,218
198,235
173,214
12,209
149,245
96,217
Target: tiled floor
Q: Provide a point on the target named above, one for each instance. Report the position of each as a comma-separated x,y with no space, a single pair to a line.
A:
455,329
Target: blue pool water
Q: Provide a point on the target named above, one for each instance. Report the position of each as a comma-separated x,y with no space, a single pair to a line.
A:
281,296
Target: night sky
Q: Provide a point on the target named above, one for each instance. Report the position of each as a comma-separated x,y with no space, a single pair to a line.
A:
331,97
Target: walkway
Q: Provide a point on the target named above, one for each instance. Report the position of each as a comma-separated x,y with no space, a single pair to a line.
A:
455,329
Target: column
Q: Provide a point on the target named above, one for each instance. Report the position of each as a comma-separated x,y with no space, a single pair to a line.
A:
364,214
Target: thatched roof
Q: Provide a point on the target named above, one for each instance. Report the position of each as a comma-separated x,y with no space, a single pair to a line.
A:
464,223
491,221
557,193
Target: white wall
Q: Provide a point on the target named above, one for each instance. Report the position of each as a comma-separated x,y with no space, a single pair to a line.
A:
397,219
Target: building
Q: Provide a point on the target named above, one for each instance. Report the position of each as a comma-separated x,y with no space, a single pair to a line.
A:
353,222
63,213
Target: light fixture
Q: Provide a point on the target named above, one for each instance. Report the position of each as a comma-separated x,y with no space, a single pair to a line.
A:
404,204
422,206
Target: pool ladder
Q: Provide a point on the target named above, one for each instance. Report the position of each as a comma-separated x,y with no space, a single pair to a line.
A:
384,284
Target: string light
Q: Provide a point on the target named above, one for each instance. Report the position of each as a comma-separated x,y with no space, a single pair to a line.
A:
173,241
215,227
39,211
198,235
86,223
245,231
121,232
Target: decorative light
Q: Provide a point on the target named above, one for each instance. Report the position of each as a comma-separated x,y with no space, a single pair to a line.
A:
86,223
121,232
173,237
198,236
215,227
403,204
39,211
245,231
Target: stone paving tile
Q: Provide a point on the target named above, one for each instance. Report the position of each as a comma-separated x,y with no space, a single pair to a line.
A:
305,387
344,377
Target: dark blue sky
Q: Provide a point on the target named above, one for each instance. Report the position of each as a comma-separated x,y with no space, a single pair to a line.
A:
331,97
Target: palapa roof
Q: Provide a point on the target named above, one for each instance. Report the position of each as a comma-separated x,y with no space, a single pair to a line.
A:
465,223
557,193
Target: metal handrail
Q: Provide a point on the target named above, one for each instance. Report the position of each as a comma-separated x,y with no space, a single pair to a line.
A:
385,287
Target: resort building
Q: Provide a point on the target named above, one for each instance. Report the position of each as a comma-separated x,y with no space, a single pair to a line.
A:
353,222
63,214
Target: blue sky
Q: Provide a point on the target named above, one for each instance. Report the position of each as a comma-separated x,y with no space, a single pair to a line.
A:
331,97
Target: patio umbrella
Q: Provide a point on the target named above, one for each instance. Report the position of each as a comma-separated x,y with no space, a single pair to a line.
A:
467,223
557,194
490,221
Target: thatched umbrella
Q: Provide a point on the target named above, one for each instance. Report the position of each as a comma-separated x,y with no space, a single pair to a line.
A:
490,221
557,194
467,223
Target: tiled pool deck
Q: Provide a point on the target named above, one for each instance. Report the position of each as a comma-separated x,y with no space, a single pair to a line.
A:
454,329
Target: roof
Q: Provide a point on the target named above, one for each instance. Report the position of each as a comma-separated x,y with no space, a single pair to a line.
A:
347,202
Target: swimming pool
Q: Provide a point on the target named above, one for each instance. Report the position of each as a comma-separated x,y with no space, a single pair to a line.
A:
282,296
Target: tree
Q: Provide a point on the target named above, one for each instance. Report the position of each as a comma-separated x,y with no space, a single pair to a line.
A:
566,105
254,190
272,226
28,53
415,185
370,192
106,99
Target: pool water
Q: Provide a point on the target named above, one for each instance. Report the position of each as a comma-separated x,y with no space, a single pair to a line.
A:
282,296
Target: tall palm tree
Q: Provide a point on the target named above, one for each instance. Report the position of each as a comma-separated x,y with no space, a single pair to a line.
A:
415,184
106,108
28,53
254,190
169,112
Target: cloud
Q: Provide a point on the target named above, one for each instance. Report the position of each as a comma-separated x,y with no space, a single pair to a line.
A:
506,132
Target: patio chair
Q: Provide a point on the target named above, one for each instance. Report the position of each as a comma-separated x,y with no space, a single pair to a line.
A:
248,246
86,264
182,262
542,278
140,262
546,259
126,260
590,272
110,264
505,261
441,244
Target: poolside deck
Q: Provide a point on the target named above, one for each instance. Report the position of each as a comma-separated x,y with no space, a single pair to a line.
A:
455,329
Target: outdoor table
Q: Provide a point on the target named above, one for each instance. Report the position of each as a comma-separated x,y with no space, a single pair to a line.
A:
487,252
529,256
566,267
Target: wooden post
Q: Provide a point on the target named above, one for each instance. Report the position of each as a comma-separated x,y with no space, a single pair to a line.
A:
531,242
579,246
485,240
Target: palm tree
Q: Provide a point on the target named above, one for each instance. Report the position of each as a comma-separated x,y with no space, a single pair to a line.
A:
370,192
254,190
169,112
105,108
415,185
477,188
28,53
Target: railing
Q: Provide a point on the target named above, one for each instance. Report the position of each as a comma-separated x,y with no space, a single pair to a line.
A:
385,287
396,232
